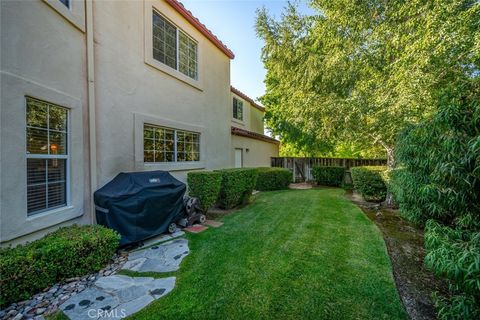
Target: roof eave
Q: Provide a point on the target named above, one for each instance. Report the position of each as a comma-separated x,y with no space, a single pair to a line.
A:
200,27
252,135
244,96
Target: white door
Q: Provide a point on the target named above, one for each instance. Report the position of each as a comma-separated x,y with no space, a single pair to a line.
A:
238,158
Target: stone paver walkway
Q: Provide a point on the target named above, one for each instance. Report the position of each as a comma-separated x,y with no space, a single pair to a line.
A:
165,257
161,238
300,186
117,296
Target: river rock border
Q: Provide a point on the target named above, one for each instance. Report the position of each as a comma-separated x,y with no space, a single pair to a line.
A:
49,300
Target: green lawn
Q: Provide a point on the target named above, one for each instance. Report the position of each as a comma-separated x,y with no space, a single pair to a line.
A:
299,254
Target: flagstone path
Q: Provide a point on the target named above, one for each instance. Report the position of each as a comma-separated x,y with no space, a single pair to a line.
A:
165,257
118,296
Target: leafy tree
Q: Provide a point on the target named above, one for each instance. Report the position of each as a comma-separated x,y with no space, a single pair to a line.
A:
437,183
361,71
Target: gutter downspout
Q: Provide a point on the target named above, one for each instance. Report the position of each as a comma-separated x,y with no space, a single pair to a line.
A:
91,104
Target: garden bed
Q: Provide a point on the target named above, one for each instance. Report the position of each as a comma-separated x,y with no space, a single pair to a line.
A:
404,242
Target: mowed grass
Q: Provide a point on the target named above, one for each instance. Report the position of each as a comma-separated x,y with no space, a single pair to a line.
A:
296,254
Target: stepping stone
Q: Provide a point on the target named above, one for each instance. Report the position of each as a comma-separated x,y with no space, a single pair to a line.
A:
165,257
134,264
77,307
162,238
213,223
196,228
113,283
116,297
136,305
300,186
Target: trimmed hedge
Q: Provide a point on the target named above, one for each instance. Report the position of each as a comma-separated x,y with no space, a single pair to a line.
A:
237,186
369,181
328,176
68,252
273,179
204,185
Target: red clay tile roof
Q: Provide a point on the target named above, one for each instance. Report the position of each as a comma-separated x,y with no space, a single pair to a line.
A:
178,6
244,96
249,134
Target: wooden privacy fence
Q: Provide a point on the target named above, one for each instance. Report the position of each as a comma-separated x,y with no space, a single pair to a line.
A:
302,167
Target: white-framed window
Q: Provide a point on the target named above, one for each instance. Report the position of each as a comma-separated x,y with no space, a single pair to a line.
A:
162,144
66,3
47,155
173,47
237,109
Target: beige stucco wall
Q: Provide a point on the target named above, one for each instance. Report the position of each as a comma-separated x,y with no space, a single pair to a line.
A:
256,120
42,55
258,154
252,117
131,90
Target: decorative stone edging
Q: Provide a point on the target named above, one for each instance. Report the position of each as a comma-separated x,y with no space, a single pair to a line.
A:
48,301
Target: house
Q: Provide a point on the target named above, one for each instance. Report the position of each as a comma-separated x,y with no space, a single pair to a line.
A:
250,146
90,89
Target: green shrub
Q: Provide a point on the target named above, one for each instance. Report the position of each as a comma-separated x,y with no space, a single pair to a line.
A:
68,252
369,181
273,179
437,184
237,186
328,176
204,185
455,254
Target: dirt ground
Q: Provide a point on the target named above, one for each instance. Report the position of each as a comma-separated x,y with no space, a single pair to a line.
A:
415,284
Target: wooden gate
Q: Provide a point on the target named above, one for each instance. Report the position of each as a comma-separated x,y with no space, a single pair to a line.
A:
301,168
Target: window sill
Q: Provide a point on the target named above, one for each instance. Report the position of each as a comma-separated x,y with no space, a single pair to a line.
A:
42,214
174,166
42,221
241,122
173,73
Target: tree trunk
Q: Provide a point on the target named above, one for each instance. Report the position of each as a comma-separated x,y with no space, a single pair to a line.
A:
389,201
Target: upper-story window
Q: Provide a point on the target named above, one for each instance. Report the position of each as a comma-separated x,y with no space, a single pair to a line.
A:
237,109
170,145
173,47
47,156
66,3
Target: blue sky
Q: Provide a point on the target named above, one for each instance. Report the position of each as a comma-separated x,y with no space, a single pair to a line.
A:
233,22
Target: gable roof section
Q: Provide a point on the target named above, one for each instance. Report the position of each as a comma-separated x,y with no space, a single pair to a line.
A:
253,135
178,6
244,96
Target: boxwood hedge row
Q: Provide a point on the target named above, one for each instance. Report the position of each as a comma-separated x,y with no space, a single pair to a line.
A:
68,252
273,179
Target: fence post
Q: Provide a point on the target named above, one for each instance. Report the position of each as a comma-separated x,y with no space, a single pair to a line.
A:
294,175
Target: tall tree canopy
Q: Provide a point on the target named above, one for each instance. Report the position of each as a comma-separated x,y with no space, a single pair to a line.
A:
357,72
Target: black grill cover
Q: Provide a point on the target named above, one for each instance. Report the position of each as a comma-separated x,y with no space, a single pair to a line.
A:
139,205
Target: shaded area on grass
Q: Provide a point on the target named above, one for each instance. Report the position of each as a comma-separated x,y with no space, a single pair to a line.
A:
296,254
405,247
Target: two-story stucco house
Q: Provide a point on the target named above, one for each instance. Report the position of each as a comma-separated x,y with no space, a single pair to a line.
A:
90,89
250,147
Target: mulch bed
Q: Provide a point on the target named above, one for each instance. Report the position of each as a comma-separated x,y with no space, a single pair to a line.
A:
404,241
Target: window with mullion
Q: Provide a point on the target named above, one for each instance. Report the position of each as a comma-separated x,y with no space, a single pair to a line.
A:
237,109
170,145
47,155
164,41
173,47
